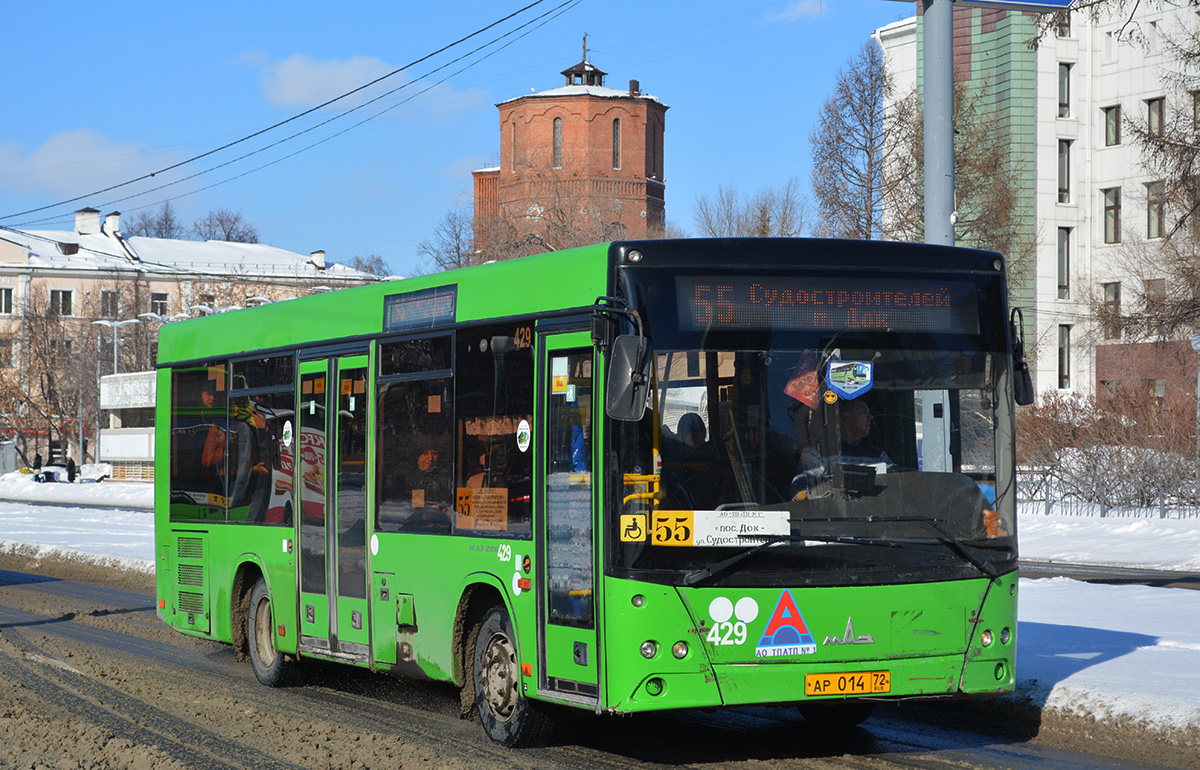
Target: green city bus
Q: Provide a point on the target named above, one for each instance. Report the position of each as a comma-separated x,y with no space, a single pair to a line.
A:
645,475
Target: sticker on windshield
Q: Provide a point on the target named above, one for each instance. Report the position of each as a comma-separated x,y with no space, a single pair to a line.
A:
850,379
803,385
524,434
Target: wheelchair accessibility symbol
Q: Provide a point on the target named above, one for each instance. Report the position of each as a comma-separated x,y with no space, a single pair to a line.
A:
633,528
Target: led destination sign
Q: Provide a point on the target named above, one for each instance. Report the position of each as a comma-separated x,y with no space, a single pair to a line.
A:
422,309
737,302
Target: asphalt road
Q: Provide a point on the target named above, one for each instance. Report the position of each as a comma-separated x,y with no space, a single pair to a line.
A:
88,671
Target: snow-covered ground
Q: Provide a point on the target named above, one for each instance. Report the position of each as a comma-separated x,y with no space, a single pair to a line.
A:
1119,653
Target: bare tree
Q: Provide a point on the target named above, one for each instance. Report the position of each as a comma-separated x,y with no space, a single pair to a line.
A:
1161,263
52,389
225,225
771,212
452,244
855,136
372,264
156,223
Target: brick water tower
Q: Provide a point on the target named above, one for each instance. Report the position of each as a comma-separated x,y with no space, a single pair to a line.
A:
581,159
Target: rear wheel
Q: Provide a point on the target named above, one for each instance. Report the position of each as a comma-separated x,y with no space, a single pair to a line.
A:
507,716
269,664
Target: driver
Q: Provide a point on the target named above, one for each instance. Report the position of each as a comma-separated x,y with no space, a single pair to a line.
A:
857,445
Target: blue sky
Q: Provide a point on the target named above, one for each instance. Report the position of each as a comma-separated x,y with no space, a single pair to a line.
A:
98,95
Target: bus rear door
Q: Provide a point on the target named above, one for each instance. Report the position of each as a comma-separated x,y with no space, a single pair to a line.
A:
332,521
567,638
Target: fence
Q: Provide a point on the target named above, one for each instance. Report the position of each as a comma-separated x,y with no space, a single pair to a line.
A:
1037,493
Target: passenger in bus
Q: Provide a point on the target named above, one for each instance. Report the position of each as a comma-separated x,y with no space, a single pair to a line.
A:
690,479
429,488
493,471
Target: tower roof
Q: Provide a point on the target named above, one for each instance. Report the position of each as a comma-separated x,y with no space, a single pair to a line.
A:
584,74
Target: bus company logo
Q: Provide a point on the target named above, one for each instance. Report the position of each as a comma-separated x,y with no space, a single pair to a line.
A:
786,632
850,637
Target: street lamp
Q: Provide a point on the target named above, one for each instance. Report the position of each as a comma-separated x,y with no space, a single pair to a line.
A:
116,327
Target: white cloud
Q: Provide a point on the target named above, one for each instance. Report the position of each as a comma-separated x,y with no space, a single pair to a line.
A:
302,81
73,163
799,10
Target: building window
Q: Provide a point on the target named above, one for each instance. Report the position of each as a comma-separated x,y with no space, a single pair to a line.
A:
1196,110
1110,317
1064,263
1064,90
108,303
616,142
1064,170
1155,294
1064,357
6,301
558,142
512,147
60,302
1112,215
1112,125
6,350
158,302
1156,210
1062,24
1154,117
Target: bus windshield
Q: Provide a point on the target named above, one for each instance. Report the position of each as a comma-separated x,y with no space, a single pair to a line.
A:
862,456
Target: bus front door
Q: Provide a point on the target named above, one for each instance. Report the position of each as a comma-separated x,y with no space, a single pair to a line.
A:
332,521
568,642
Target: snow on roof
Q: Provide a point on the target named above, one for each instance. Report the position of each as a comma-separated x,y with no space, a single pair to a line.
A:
603,92
101,252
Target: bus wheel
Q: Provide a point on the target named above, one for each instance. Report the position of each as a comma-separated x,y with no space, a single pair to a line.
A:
507,716
269,665
838,714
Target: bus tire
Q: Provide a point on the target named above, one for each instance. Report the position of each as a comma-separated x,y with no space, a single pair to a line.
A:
507,716
269,664
837,714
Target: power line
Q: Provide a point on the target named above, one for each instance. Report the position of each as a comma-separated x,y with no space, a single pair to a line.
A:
530,26
260,132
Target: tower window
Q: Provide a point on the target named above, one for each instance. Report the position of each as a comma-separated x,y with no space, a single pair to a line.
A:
616,142
558,142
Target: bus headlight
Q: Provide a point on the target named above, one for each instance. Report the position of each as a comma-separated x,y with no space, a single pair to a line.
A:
680,650
1005,635
986,638
649,649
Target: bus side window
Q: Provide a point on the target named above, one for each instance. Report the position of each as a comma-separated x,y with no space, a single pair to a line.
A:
199,436
413,456
493,404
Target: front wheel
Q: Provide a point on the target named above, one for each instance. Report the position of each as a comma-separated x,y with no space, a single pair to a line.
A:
269,665
508,717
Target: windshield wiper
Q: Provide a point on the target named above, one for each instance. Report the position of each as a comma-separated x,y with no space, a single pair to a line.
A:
695,576
944,537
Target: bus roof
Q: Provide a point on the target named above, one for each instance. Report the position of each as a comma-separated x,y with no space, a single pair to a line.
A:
564,279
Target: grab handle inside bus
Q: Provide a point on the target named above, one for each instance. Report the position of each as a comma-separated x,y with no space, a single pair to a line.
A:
628,378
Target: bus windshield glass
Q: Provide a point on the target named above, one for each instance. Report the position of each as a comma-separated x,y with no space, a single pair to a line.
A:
861,442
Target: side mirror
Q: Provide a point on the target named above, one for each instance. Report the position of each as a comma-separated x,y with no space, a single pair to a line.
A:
1022,380
1022,384
628,378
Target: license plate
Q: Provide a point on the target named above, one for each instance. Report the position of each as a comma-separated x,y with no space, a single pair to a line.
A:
849,683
